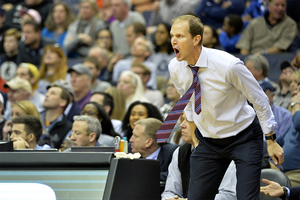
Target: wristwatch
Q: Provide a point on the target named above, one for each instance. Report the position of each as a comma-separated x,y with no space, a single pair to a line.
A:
285,193
294,103
271,137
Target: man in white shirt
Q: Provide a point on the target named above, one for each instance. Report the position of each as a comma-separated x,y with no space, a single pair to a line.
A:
227,127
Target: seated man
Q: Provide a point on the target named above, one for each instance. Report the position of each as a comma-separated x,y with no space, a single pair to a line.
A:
179,169
26,131
143,141
86,132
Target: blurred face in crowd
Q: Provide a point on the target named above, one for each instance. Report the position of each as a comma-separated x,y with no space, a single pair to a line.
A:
98,98
125,85
53,98
30,35
104,39
18,131
80,82
161,36
90,110
79,136
294,84
139,48
138,140
97,53
171,91
17,95
95,72
119,9
286,75
130,35
86,11
17,112
51,58
33,2
186,129
277,9
59,14
208,39
23,73
138,112
10,43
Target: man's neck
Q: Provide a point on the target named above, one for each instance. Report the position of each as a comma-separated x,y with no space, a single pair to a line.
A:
12,53
285,88
195,55
94,82
149,151
80,95
35,45
124,17
137,59
52,114
32,145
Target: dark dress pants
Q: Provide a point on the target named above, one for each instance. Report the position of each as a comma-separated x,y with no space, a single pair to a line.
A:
211,158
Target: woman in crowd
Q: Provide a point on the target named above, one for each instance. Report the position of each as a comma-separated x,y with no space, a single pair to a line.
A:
163,51
210,37
20,108
53,67
104,40
119,103
57,22
96,110
136,111
131,86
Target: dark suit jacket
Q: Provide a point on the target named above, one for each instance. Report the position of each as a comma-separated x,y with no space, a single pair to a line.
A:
74,110
165,157
295,193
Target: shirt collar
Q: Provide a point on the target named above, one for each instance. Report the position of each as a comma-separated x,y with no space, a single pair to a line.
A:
202,60
154,155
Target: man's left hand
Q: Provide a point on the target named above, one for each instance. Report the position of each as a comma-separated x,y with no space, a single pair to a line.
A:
275,152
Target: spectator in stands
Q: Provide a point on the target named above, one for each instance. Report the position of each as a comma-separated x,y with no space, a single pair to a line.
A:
9,56
107,101
296,61
177,183
59,18
172,96
134,31
283,95
210,37
257,8
141,49
3,27
54,66
72,108
258,65
213,12
153,96
290,143
275,34
19,89
55,125
130,84
20,108
273,189
2,120
283,117
104,40
124,16
103,58
143,141
106,12
95,67
82,33
163,51
166,10
119,103
31,49
26,132
295,80
96,110
232,27
30,15
136,111
31,73
86,132
13,15
81,79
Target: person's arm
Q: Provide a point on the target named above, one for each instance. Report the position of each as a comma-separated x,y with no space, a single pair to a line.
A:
244,43
228,43
173,184
71,40
273,189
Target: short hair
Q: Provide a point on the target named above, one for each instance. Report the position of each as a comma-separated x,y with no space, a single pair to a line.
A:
259,62
32,125
94,61
236,22
92,124
37,27
151,127
127,2
107,101
28,107
104,52
146,70
138,27
297,75
93,4
195,25
13,32
148,43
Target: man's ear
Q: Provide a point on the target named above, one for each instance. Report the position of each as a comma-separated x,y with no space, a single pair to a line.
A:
92,137
30,137
197,40
149,142
63,103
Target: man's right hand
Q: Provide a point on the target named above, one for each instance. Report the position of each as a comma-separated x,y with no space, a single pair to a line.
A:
275,152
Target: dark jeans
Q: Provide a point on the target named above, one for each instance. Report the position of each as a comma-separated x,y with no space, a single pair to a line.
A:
211,158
